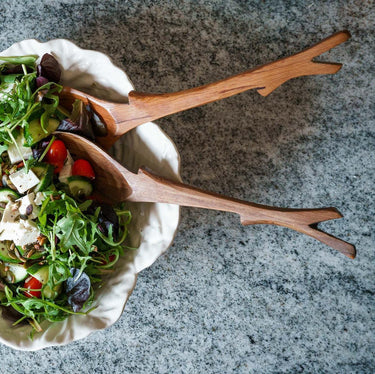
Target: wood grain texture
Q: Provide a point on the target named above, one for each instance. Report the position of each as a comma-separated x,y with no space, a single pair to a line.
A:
117,184
145,107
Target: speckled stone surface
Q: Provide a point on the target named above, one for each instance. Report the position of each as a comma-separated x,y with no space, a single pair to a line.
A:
227,298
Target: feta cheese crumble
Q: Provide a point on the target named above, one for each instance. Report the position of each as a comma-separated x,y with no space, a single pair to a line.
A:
28,206
20,231
15,154
24,181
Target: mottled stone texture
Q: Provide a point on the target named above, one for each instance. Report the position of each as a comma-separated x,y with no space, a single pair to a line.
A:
227,298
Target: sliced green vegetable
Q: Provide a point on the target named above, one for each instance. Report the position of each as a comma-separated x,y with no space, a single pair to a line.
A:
34,256
6,194
34,132
79,186
14,273
41,274
44,172
4,252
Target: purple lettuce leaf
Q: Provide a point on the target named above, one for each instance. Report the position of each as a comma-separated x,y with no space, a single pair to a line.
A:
77,289
79,121
49,68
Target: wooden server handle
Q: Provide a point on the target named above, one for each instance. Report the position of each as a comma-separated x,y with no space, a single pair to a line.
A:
147,187
145,107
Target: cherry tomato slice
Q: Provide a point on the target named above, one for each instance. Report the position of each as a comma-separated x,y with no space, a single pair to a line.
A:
56,155
83,168
32,284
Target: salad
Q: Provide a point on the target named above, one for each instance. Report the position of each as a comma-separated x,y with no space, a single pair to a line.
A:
58,237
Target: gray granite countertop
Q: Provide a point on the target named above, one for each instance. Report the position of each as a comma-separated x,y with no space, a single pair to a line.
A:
227,298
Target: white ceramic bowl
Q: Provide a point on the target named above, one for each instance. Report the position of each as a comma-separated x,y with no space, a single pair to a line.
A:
154,225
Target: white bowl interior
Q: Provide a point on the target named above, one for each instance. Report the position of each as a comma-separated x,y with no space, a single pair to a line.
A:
153,226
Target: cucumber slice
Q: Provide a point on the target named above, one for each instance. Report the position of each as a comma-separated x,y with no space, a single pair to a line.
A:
4,252
5,193
18,272
39,272
44,172
42,274
34,133
35,256
80,186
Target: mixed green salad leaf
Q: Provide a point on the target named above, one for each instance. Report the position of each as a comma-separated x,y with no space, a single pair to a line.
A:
57,237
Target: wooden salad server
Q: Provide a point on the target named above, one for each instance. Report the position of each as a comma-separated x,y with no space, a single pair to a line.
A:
117,184
144,107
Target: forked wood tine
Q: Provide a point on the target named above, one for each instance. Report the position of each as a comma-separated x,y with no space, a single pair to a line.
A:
326,44
312,219
272,85
304,221
301,64
290,217
340,245
306,68
325,67
315,216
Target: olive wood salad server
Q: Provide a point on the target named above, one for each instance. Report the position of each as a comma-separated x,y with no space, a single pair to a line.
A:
144,107
119,184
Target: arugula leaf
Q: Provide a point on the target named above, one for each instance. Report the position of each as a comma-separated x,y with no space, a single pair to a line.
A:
73,230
